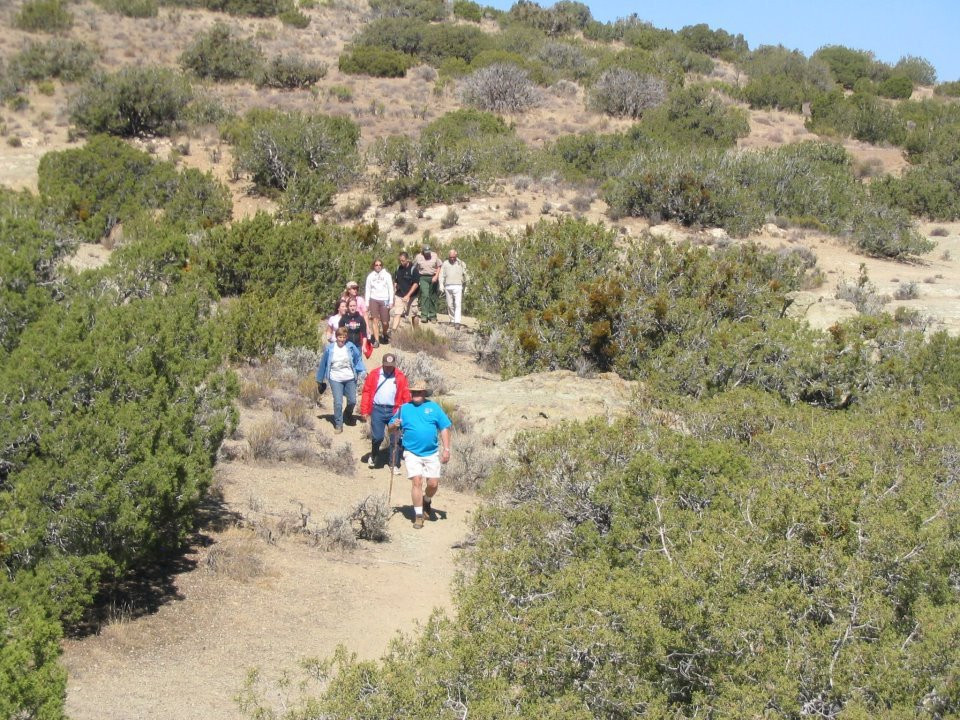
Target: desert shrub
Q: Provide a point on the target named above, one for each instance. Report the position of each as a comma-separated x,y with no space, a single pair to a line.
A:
907,291
539,73
694,115
562,18
253,8
919,70
948,89
882,231
279,258
565,58
848,65
307,155
929,190
426,10
622,92
375,61
676,53
219,54
861,292
106,182
897,87
467,10
340,460
370,518
715,43
862,116
290,72
454,155
421,367
782,78
471,463
68,60
130,8
294,17
133,101
445,42
421,339
402,34
50,16
499,88
256,323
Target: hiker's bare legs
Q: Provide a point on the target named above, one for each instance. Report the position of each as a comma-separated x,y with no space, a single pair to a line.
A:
417,492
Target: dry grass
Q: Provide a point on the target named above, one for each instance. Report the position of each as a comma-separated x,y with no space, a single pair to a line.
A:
298,413
266,438
425,340
340,461
237,556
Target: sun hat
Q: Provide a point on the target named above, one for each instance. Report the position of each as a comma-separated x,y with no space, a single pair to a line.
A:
420,386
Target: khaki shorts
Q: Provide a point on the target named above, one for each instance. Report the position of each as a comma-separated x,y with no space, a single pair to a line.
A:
428,467
406,309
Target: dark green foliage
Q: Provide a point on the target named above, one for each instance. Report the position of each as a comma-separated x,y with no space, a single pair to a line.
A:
467,10
454,155
626,570
696,116
896,87
848,65
219,54
269,258
715,43
253,8
294,17
930,190
918,69
426,10
290,72
68,60
784,79
130,8
91,189
133,101
441,42
562,18
375,61
257,323
309,155
883,231
50,16
405,35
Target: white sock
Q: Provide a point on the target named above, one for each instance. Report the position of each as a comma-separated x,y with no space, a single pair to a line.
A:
418,509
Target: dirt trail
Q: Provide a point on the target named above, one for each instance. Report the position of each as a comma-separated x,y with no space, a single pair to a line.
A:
245,599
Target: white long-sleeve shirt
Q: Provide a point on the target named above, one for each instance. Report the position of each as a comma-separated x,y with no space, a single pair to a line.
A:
379,287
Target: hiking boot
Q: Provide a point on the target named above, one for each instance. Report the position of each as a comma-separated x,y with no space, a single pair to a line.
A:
372,461
338,429
375,344
428,510
418,522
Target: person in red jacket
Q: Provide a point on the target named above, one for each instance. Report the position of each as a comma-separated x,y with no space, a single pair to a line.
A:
384,391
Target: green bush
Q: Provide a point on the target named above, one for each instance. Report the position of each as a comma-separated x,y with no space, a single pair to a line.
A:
106,182
402,34
375,61
918,69
847,65
260,255
862,116
715,43
133,101
694,115
454,156
930,190
621,92
130,8
252,8
290,72
50,16
294,17
783,79
256,324
442,42
896,87
219,54
426,10
309,154
562,18
68,60
467,10
882,231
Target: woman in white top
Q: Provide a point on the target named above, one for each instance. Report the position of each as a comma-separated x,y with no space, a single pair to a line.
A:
379,297
333,322
342,367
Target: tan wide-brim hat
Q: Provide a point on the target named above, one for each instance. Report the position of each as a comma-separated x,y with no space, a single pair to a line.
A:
420,386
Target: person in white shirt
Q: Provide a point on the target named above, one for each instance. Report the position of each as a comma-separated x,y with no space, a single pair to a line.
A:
453,283
379,297
342,367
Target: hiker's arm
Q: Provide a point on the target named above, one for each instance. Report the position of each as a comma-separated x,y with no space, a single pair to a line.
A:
445,445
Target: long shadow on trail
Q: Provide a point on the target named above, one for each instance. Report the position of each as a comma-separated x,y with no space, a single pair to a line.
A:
146,590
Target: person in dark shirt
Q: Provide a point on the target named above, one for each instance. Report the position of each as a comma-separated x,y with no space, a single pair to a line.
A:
406,285
354,323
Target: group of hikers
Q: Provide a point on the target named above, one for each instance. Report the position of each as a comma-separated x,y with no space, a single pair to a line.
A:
419,429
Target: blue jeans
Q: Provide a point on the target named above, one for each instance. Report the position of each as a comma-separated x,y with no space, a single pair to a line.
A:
339,389
378,422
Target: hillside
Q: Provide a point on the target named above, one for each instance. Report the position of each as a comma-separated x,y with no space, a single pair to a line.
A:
704,399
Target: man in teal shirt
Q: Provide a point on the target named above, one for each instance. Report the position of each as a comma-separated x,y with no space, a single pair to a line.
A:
426,445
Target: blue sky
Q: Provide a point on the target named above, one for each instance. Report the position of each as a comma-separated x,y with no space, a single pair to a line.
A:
890,28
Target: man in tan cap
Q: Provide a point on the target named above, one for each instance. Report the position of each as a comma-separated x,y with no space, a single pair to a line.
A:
423,423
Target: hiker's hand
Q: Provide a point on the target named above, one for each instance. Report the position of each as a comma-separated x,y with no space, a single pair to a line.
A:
444,456
321,388
364,418
395,425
